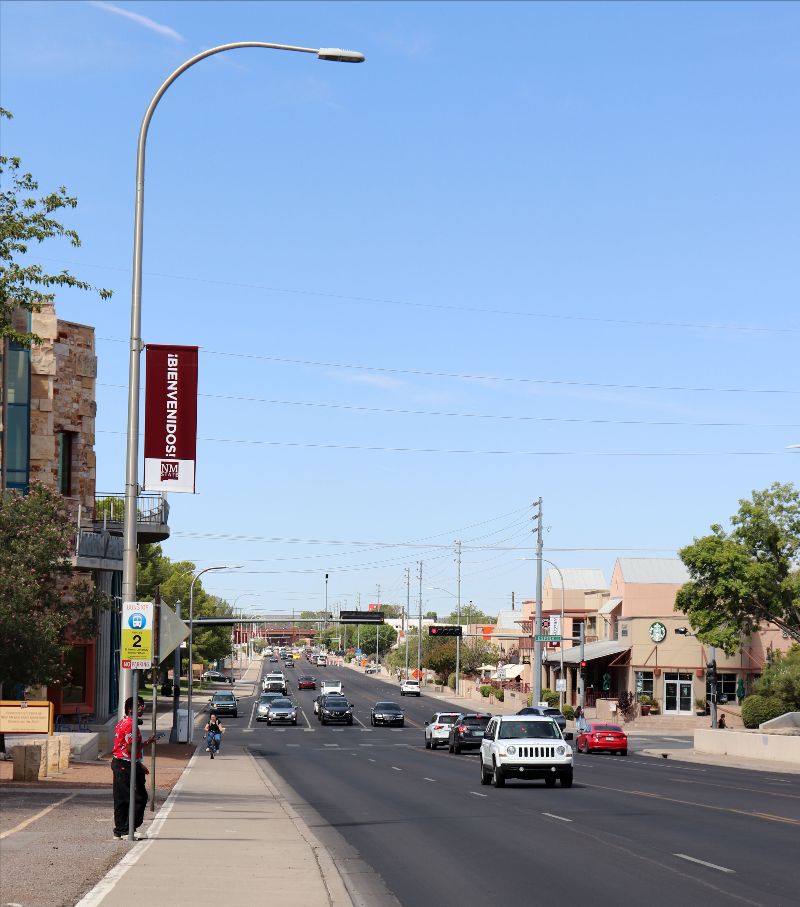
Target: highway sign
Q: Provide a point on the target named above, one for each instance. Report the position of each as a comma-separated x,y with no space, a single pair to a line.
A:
547,638
361,617
171,631
136,646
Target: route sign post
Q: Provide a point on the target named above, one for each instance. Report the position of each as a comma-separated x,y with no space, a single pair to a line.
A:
136,645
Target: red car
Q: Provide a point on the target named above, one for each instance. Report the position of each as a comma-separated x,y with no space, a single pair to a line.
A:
306,682
601,736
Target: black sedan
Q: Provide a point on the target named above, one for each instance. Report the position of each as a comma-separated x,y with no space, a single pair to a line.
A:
466,732
387,713
216,677
224,703
335,708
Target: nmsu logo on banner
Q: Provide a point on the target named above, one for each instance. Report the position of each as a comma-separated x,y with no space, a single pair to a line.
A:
170,428
169,471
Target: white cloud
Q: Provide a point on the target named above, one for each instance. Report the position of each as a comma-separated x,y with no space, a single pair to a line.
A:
150,24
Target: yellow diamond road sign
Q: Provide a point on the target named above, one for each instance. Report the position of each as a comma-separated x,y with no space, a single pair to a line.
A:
136,649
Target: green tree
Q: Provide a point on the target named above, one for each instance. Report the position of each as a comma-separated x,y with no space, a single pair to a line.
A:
781,678
476,653
747,577
430,615
41,608
26,218
442,658
470,614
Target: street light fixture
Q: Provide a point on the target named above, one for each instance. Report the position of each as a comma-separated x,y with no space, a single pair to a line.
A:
191,637
134,365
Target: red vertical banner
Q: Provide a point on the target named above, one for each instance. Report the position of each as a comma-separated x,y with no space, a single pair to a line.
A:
170,419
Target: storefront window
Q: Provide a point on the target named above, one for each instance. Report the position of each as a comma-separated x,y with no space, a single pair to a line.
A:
644,683
75,687
726,686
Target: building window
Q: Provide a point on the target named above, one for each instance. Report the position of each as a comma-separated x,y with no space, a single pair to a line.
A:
74,691
623,629
17,430
644,683
726,687
65,462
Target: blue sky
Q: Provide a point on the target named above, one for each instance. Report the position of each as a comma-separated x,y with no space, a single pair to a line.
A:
523,250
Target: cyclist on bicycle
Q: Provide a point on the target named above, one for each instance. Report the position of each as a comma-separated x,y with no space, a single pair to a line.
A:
214,731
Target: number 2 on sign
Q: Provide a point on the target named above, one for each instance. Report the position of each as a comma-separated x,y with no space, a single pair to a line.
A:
137,641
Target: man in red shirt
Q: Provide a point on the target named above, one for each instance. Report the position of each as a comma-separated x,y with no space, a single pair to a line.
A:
121,768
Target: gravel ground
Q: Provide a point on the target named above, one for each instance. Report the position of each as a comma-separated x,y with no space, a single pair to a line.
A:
56,859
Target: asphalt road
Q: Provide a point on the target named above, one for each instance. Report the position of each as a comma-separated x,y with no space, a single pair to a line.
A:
631,830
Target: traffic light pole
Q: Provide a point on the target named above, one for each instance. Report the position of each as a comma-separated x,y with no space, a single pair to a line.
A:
581,669
712,669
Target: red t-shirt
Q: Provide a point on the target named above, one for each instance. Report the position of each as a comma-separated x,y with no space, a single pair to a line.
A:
122,740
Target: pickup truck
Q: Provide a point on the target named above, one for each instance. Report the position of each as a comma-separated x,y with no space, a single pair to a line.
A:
330,686
524,747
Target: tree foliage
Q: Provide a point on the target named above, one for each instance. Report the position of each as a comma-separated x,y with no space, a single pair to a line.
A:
26,218
781,678
470,614
42,609
748,577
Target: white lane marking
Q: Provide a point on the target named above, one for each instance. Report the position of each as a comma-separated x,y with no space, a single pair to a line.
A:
396,769
366,744
309,730
371,760
252,715
331,744
305,718
684,856
554,816
429,779
675,739
31,819
363,726
476,794
292,744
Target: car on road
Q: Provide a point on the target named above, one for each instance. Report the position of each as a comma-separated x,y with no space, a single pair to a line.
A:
409,688
264,701
546,712
335,707
524,747
274,683
306,682
466,732
387,713
372,669
598,736
437,730
273,658
288,662
282,711
224,703
216,677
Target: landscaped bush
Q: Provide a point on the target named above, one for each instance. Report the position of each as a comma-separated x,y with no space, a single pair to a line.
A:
486,690
551,698
758,709
451,681
499,694
568,712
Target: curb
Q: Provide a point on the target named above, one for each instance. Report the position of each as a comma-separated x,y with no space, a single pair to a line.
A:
684,755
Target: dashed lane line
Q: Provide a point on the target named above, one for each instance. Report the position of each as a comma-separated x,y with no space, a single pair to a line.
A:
476,794
684,856
396,769
554,816
31,819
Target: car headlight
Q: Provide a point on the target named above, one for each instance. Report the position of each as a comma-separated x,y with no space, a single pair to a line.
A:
511,750
560,750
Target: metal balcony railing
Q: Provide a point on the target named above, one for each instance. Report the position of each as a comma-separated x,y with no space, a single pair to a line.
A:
150,509
91,543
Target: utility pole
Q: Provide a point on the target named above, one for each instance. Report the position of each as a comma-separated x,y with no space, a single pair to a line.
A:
407,613
458,619
712,671
419,632
536,667
581,669
176,684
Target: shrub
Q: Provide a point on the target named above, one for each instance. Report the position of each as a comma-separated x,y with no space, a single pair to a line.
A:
568,712
499,694
551,698
645,699
758,709
486,689
451,681
627,706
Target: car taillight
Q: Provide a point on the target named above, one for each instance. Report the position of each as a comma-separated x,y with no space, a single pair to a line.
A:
438,727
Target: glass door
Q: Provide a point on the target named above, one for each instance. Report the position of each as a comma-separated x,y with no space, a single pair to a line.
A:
678,693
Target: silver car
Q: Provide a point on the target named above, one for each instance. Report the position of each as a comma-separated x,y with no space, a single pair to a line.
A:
282,711
264,701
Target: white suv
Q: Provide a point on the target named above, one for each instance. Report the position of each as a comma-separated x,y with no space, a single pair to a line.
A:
409,688
437,730
525,746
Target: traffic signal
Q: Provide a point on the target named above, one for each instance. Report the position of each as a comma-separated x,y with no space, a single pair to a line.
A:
711,673
445,630
583,668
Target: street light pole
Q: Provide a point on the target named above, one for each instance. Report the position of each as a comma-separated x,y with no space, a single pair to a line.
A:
536,666
458,620
190,733
419,631
561,631
134,363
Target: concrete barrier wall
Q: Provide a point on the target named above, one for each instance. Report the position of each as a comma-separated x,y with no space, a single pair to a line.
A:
751,744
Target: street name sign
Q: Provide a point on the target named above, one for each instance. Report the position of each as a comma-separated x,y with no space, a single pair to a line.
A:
361,617
547,637
136,646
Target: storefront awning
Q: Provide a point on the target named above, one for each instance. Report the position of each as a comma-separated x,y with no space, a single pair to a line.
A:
591,652
610,605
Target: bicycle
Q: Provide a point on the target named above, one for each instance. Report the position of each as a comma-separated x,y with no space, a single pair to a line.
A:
213,744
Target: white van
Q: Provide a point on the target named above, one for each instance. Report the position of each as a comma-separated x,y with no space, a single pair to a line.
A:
330,686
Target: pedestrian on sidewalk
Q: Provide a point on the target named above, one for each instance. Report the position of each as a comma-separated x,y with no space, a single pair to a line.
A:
121,769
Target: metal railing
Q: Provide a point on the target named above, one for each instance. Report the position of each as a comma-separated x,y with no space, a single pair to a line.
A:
93,543
152,509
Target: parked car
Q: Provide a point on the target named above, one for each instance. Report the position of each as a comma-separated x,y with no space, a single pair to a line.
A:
466,732
371,669
546,712
437,730
264,701
282,711
215,677
525,747
224,703
306,682
409,688
335,708
600,736
387,713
